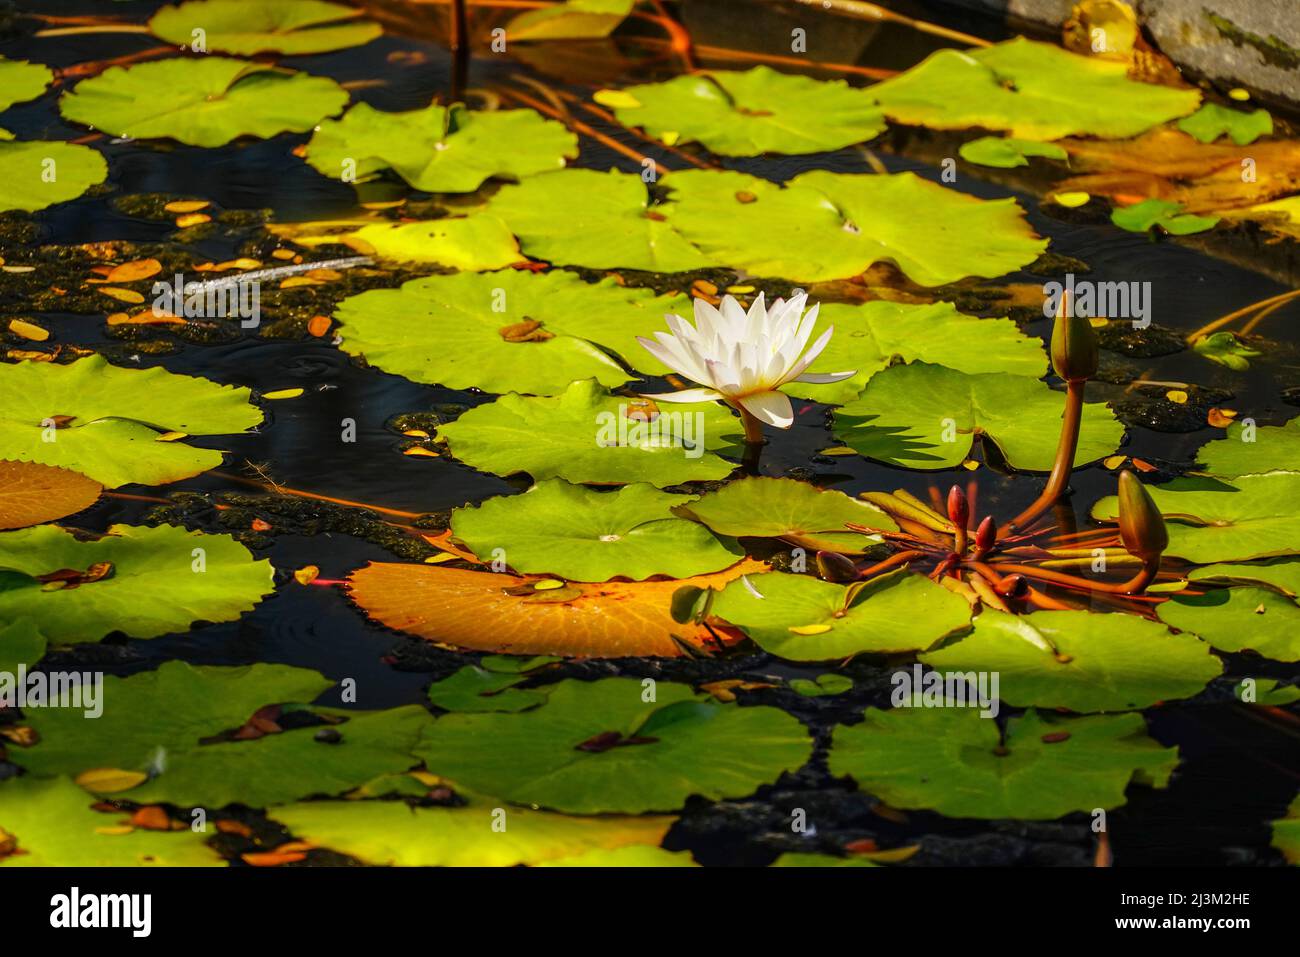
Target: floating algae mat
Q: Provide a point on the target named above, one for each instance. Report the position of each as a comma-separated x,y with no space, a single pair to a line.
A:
634,434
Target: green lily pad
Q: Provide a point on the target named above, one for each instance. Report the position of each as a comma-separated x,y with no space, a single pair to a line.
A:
144,722
456,330
1267,692
270,26
1286,833
1239,619
570,20
760,507
824,225
471,243
1033,90
480,834
279,768
1272,448
827,684
950,760
875,335
1212,521
440,149
1169,216
561,436
1281,575
1007,152
798,859
586,535
477,689
805,619
598,220
207,101
1212,121
55,825
35,174
600,747
924,416
21,644
1227,350
162,580
737,113
143,729
1080,660
104,421
21,81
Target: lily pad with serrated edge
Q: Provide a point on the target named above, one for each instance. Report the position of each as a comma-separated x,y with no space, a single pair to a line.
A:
1239,619
586,535
268,26
502,332
1271,448
952,761
805,619
566,754
1033,90
35,174
561,436
924,416
745,113
440,149
874,335
598,220
497,611
824,225
394,833
761,507
207,101
160,580
1212,521
104,421
31,493
1080,660
471,243
54,824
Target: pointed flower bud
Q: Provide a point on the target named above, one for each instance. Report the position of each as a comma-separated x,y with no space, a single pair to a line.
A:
1141,526
1013,586
1074,345
958,507
986,536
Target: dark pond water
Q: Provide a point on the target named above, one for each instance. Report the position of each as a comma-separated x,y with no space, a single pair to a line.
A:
1239,769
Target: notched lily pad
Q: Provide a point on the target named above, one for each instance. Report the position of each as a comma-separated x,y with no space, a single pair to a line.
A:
955,762
35,174
269,26
21,81
1243,618
586,535
205,101
143,581
617,745
31,494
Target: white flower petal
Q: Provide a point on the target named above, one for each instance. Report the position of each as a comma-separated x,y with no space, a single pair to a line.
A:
684,395
823,378
772,408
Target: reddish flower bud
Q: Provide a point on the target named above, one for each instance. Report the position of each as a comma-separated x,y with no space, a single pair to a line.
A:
834,567
958,507
986,536
1013,586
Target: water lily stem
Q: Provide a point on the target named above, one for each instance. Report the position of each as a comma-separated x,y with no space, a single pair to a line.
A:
1064,461
460,49
753,428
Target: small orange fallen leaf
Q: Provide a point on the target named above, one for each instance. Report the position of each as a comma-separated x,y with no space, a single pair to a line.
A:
294,281
135,270
282,394
306,575
318,325
1220,418
258,525
152,818
272,858
192,219
28,330
123,295
110,780
186,205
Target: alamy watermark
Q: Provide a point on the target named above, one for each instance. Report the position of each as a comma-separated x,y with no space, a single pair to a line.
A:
919,688
1101,300
217,299
54,689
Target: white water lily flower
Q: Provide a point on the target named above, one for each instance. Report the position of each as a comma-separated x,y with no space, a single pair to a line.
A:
743,358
